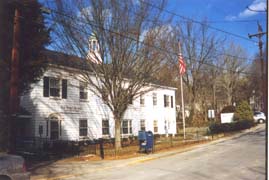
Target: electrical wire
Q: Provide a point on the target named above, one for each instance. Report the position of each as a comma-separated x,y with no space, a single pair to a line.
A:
164,50
198,22
89,23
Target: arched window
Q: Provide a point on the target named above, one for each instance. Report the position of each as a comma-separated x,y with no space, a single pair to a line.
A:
54,126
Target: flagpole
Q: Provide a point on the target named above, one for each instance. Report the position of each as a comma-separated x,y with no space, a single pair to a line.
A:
182,107
182,96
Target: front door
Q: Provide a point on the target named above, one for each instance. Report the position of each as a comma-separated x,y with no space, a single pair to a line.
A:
54,130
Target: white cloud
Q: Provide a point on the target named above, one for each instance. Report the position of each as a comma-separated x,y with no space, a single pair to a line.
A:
256,5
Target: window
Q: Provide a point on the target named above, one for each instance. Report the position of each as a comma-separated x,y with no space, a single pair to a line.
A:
52,87
126,127
83,127
54,130
83,94
54,124
142,125
155,126
142,100
130,100
166,101
172,102
105,127
64,89
104,95
169,124
154,99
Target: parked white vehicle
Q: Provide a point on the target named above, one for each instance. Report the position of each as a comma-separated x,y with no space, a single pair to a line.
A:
13,167
259,117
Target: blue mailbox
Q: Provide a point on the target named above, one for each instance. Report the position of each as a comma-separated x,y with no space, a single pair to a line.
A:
146,141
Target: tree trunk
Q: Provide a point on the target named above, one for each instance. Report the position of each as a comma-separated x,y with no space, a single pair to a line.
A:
117,134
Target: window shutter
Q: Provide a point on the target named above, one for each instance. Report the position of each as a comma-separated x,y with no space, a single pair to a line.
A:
64,89
46,87
47,128
164,99
172,103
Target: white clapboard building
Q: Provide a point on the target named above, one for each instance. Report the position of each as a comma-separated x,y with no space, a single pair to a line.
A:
62,106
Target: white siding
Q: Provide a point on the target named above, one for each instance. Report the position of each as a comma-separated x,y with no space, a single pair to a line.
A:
93,109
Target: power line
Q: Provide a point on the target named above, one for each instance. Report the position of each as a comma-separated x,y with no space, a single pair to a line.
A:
164,50
89,23
122,35
198,22
141,42
235,21
167,51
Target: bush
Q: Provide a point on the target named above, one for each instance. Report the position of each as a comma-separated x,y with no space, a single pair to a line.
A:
243,112
228,109
216,128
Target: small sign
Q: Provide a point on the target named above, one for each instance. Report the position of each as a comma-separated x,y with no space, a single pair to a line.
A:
211,114
71,109
226,117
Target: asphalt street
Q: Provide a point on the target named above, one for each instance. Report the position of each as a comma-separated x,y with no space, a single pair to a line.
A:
241,158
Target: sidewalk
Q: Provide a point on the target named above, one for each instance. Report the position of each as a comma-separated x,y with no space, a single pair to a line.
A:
62,170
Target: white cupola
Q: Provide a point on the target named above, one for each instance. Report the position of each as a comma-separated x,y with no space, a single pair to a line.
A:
94,50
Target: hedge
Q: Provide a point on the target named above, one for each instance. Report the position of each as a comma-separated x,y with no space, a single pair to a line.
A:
230,127
228,109
243,112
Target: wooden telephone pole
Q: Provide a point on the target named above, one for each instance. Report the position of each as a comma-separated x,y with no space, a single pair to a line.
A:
14,77
263,86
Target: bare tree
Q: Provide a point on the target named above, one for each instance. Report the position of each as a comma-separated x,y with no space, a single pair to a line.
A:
254,78
199,48
234,64
126,58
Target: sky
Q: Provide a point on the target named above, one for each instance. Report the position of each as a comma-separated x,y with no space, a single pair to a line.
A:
227,15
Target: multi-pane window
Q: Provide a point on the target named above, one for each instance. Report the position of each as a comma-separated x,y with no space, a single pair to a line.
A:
105,127
52,87
126,127
130,100
169,124
166,101
54,130
83,127
142,100
104,95
83,94
155,126
142,125
154,97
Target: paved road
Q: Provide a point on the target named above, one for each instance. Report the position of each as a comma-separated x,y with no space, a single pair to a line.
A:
241,158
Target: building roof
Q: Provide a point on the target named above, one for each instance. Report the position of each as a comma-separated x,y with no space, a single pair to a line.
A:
59,58
71,61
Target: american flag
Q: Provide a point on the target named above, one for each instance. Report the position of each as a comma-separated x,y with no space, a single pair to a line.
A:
181,64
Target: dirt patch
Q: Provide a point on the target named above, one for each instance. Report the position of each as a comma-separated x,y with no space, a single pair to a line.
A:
132,152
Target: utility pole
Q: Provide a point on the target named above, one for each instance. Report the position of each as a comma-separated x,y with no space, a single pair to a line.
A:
13,92
259,36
